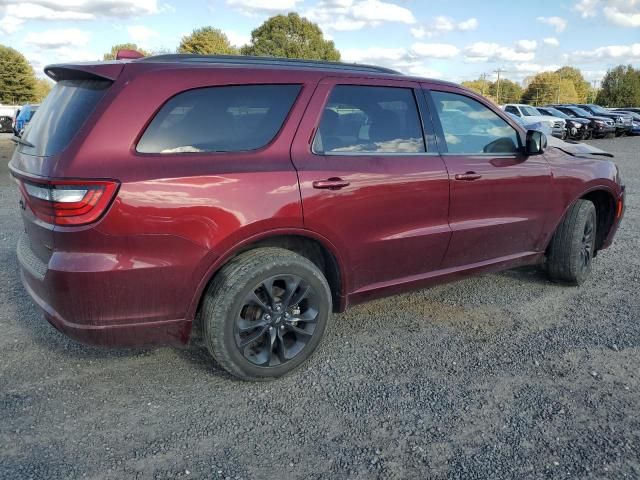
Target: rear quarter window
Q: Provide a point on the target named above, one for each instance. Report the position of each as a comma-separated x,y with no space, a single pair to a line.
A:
219,119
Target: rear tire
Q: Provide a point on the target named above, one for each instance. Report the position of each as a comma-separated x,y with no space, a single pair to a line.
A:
265,313
573,244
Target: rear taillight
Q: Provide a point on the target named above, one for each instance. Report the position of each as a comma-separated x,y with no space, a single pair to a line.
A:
68,202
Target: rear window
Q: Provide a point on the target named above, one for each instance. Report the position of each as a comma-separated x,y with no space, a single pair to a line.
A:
219,119
61,115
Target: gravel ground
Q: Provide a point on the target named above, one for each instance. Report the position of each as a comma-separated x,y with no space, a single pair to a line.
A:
498,376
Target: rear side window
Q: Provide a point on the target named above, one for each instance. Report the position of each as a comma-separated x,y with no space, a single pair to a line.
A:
61,115
368,120
219,119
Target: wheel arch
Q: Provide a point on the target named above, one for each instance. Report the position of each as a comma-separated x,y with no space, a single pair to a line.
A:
604,199
307,243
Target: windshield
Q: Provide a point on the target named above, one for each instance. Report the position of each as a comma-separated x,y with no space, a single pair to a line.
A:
580,112
598,109
529,111
61,115
556,113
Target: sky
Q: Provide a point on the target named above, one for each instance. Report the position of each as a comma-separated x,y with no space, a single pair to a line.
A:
452,40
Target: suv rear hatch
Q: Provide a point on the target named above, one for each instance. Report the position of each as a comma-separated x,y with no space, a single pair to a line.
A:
48,201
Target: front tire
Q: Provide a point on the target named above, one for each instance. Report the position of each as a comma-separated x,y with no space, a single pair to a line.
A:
572,247
265,313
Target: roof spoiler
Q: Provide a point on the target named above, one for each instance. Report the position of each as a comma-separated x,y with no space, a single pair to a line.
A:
84,71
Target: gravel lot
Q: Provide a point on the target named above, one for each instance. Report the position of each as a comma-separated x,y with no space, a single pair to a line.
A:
498,376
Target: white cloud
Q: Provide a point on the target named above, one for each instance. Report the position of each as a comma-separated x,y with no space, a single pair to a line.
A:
344,15
624,13
551,41
556,22
618,53
484,52
10,24
16,12
534,67
411,61
39,58
252,7
587,8
434,50
526,45
443,24
238,39
622,18
141,35
51,39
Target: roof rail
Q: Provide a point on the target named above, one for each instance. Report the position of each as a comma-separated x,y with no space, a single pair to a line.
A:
269,61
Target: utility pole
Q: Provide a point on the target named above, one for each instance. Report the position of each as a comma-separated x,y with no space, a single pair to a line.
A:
498,71
559,82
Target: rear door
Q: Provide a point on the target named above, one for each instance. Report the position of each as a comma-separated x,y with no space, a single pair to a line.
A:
499,196
370,183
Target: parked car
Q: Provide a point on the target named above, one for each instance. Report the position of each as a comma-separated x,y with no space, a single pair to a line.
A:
600,126
6,124
635,119
531,124
23,117
248,198
577,128
627,109
622,121
557,125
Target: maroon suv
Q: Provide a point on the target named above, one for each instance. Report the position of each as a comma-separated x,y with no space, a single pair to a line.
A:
252,197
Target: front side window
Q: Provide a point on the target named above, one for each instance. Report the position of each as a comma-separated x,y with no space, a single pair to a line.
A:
469,127
219,119
513,110
369,120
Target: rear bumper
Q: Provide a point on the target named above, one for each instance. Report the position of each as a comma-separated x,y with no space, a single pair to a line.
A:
124,303
164,332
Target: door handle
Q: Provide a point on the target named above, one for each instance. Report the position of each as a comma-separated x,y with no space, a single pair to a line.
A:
331,184
469,176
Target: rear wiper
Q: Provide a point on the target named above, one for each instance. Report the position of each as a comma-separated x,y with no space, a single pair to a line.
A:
22,141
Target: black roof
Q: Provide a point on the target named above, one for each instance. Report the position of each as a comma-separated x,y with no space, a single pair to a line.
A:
242,60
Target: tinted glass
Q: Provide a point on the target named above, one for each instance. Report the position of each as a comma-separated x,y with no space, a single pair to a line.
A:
219,119
470,128
529,111
61,115
512,109
359,119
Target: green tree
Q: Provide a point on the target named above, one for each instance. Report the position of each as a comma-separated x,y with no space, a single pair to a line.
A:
510,92
17,80
582,87
479,86
207,41
111,55
290,36
549,87
43,87
620,87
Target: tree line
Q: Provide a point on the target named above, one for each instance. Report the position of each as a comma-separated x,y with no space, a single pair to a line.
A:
293,36
620,88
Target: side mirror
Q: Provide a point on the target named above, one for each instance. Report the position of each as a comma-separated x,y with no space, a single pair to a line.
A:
536,142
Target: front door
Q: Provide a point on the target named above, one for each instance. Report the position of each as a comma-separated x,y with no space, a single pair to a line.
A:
370,183
500,198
